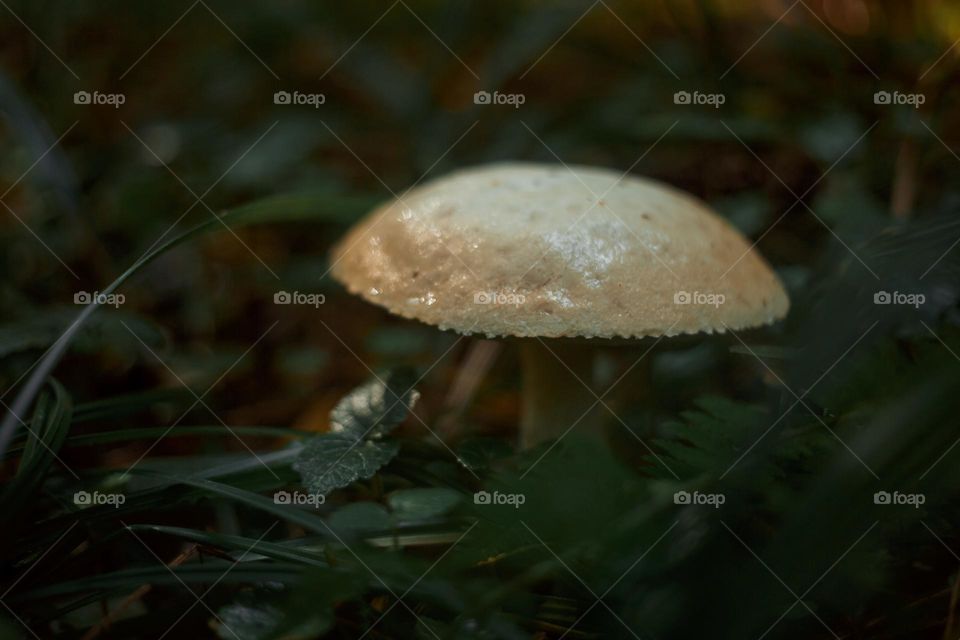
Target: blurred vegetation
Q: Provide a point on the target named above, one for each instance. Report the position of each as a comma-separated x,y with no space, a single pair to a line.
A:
798,426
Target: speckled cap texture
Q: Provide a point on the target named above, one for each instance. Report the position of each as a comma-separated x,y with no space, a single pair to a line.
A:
523,249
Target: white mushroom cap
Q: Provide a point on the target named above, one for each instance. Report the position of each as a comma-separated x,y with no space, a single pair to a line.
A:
526,249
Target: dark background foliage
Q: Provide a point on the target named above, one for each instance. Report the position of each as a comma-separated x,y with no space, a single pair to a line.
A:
198,397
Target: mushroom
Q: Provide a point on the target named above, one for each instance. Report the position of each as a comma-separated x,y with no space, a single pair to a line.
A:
561,258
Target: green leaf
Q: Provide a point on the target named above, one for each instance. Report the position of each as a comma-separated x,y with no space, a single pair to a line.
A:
353,450
335,460
248,622
248,549
152,433
309,610
212,570
358,517
480,453
304,611
709,440
123,405
299,516
413,505
48,430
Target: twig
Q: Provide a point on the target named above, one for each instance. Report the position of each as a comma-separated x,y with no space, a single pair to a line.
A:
137,594
948,631
480,357
904,190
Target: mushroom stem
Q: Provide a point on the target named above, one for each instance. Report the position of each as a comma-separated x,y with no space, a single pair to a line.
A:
555,397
